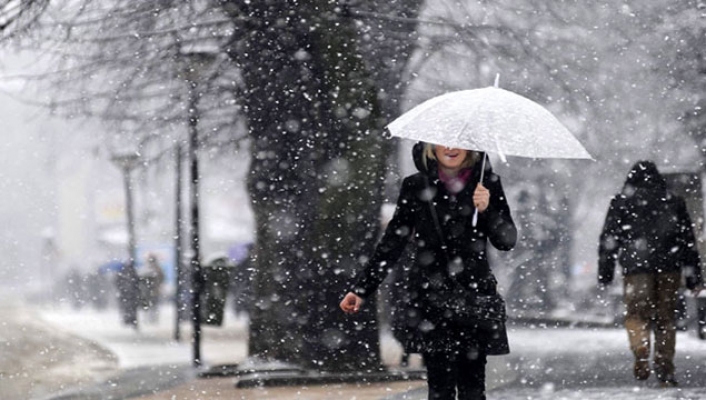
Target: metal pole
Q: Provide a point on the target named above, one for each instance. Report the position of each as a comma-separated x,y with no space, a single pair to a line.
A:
177,247
130,216
130,227
197,277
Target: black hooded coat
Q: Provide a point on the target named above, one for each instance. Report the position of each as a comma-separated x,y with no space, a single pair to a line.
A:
432,279
648,230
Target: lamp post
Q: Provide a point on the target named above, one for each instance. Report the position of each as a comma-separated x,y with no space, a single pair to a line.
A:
177,247
195,62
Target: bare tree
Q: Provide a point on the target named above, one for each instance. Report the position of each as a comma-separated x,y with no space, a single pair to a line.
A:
315,99
17,16
684,63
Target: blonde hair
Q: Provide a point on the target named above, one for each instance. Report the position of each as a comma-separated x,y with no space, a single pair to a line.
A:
472,156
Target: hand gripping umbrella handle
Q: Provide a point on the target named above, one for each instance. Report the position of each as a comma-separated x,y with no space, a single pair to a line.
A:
482,173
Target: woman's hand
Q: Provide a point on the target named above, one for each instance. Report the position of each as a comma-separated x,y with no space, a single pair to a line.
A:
351,303
481,198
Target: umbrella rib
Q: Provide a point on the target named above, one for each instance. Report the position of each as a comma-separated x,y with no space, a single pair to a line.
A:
501,153
463,129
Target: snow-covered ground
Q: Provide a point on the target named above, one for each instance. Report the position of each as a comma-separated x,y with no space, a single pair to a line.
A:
46,351
154,343
37,359
563,364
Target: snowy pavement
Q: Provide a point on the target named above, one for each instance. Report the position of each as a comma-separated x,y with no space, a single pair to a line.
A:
148,359
153,344
37,360
154,365
588,364
545,363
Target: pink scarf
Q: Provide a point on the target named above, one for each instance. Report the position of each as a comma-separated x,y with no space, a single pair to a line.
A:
455,184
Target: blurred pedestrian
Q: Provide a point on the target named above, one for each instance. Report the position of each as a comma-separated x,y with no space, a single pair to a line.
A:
97,290
451,280
76,288
153,280
241,283
648,232
127,281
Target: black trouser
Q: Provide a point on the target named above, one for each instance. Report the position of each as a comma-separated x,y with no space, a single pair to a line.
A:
452,370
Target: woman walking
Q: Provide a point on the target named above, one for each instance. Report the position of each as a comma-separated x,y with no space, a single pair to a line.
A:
451,274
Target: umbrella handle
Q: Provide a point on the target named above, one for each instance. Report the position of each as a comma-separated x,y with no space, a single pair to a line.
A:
482,173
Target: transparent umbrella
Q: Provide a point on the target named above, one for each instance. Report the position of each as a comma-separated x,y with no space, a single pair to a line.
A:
489,120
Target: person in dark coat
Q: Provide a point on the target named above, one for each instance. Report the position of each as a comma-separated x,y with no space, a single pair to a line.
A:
152,281
648,232
127,283
435,210
241,283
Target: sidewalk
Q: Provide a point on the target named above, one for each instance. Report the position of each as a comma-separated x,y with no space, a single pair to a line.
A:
155,366
547,362
576,351
153,344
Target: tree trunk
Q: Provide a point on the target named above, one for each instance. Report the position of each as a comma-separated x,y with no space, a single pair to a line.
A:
316,180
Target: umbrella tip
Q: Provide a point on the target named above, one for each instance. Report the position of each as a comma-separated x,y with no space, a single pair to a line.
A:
497,79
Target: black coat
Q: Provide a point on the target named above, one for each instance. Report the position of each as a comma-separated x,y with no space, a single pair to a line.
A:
432,278
648,230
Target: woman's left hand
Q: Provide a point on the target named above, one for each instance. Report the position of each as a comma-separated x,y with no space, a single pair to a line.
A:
481,198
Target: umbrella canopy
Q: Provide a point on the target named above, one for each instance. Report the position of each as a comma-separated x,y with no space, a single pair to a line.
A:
490,120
